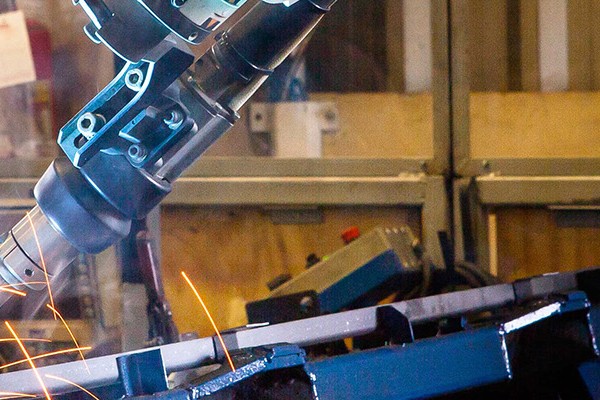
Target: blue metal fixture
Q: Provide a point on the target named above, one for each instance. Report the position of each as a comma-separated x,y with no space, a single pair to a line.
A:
538,344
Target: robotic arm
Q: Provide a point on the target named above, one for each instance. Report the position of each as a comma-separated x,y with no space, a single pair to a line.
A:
162,111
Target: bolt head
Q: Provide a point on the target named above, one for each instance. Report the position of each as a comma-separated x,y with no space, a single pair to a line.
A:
137,153
178,3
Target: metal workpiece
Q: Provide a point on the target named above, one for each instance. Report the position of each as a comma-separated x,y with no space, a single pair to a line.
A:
105,372
328,328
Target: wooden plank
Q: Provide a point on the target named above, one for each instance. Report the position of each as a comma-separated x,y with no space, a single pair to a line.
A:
580,44
513,43
440,44
488,40
530,243
584,45
535,125
395,47
595,39
347,53
529,57
231,253
372,125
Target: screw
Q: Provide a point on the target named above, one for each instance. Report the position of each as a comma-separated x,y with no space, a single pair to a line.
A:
134,79
178,3
137,153
89,124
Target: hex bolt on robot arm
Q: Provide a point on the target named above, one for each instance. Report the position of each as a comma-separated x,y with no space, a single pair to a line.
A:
162,111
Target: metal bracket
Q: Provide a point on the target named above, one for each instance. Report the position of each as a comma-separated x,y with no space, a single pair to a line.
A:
296,128
142,373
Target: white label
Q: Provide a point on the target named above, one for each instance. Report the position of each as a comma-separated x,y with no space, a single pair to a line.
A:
16,60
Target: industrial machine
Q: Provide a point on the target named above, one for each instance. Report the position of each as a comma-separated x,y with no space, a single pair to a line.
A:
124,150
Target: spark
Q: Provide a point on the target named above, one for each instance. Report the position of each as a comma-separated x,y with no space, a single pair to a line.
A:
14,395
29,360
11,288
70,333
73,384
45,355
26,340
13,291
212,321
39,246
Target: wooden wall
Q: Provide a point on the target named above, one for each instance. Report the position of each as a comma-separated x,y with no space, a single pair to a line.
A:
231,253
535,125
503,45
504,56
531,243
584,44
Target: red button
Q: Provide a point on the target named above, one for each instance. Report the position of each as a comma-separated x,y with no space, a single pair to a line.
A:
350,234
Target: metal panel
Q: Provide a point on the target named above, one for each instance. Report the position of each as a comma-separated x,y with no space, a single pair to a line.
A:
262,166
522,190
269,191
528,166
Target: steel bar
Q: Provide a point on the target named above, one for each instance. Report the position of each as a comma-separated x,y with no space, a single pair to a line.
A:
192,354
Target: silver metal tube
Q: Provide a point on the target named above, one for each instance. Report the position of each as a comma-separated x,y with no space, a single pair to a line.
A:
31,248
